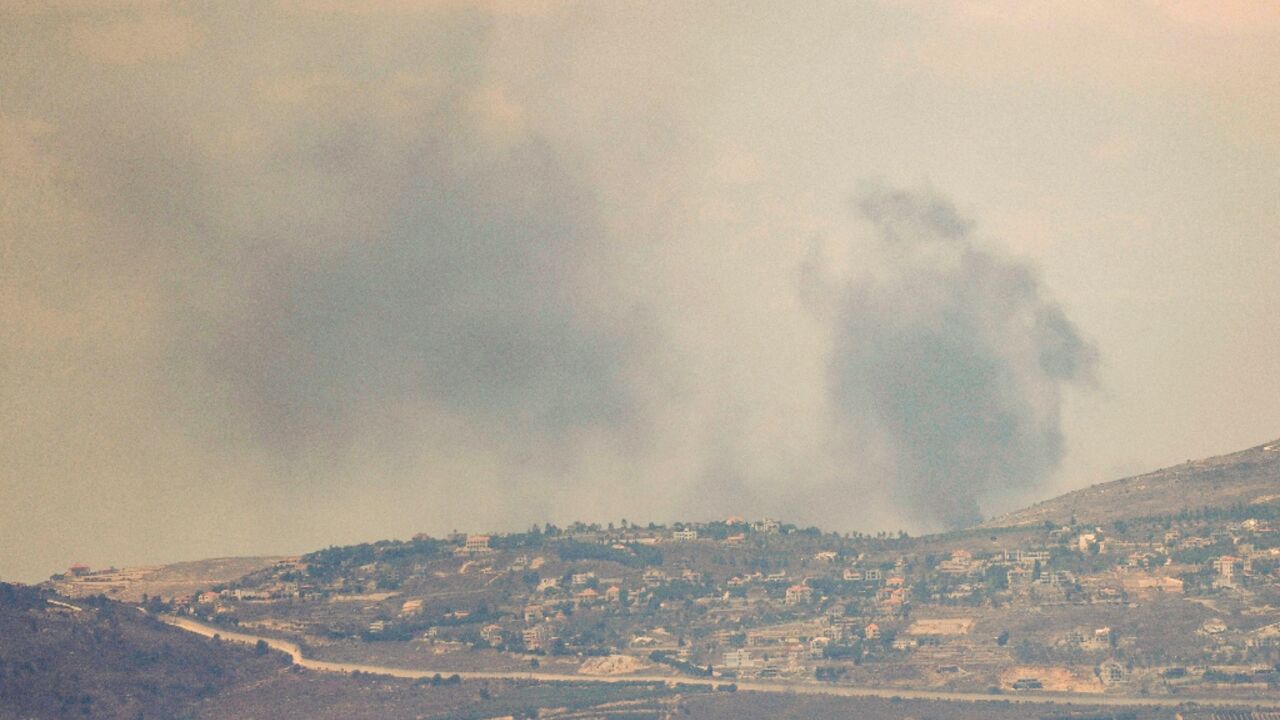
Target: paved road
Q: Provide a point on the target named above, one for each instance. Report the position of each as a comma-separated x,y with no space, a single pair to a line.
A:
295,652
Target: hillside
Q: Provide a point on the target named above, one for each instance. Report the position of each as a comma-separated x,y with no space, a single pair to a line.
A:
98,658
1247,477
1170,606
135,583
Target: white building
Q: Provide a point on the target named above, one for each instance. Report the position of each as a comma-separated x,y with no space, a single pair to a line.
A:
537,637
738,659
799,594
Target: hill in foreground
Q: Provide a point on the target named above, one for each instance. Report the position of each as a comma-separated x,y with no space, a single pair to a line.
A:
1248,477
98,658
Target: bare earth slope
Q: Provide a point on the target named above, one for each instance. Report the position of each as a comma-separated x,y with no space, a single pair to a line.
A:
165,581
1241,478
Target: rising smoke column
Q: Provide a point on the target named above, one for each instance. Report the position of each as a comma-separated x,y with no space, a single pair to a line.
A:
950,360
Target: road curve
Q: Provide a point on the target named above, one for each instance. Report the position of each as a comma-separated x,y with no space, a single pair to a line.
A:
295,652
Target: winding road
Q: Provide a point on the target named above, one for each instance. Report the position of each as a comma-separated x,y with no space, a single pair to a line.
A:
794,688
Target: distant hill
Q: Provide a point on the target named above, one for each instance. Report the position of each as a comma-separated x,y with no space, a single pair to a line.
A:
1247,477
132,584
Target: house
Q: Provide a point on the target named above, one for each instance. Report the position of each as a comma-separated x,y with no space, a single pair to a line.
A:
737,659
1028,557
547,584
766,526
818,645
582,578
654,576
896,597
960,563
851,575
687,535
477,544
1139,559
799,594
79,570
1019,576
1111,672
613,594
736,539
1100,639
1228,569
410,607
492,634
1267,636
537,637
587,596
871,631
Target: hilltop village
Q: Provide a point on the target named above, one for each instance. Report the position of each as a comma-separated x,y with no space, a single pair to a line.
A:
1165,605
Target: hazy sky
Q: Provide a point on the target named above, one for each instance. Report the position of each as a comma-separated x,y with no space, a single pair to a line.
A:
279,275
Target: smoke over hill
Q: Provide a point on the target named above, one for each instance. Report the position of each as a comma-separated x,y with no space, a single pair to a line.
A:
953,357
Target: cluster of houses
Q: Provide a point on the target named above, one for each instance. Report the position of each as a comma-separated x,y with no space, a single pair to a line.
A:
763,599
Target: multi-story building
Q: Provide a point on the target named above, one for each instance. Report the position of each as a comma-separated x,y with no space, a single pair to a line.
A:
799,594
477,544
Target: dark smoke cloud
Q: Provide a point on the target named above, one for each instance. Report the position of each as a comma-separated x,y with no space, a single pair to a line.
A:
468,297
950,356
283,275
320,270
390,251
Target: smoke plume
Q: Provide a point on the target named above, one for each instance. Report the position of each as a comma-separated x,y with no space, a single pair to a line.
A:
950,357
280,275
